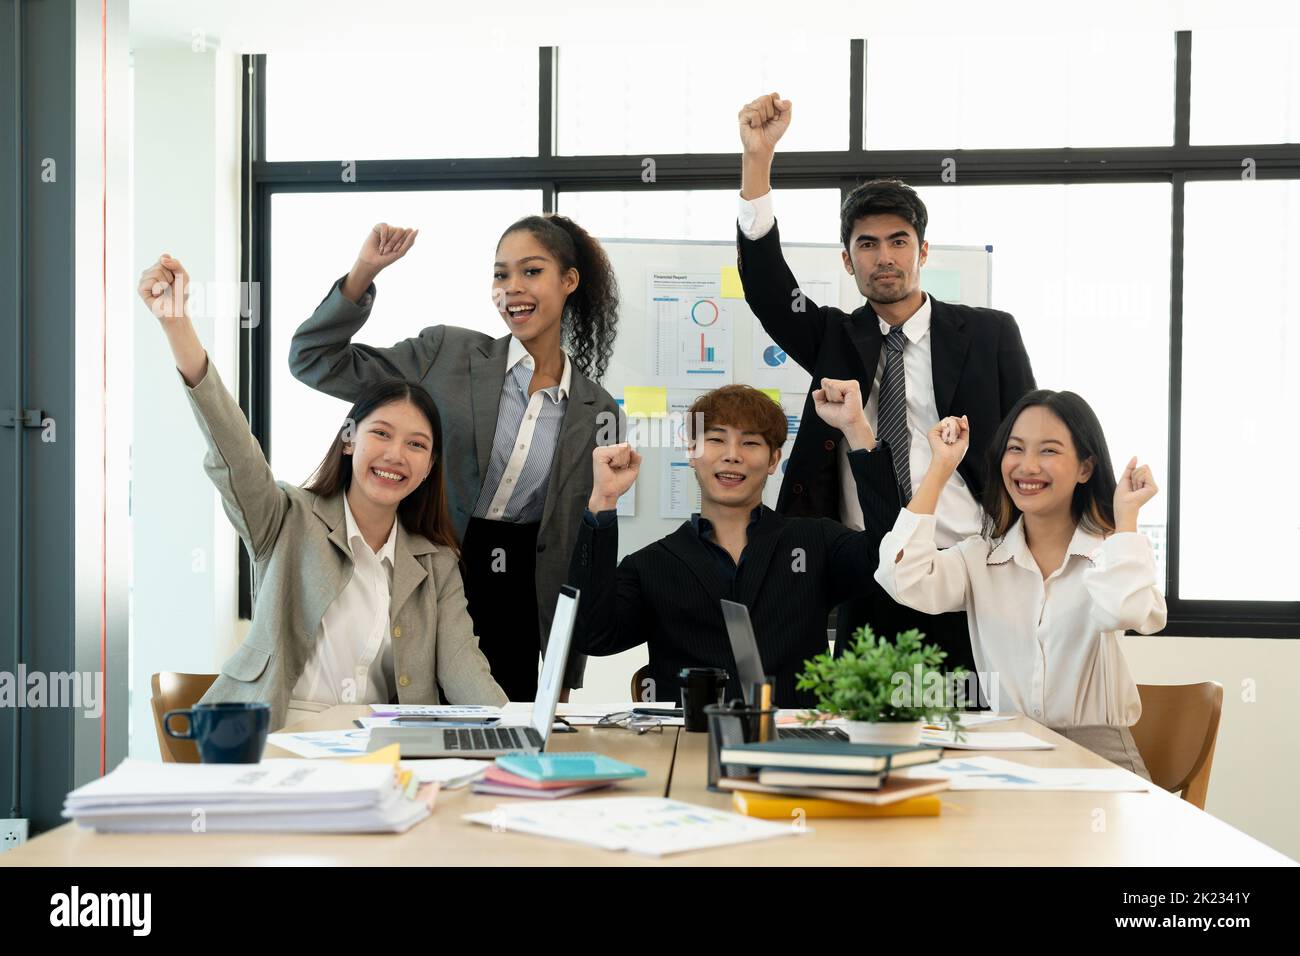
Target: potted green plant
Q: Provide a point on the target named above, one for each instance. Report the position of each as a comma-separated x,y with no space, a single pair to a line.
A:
885,690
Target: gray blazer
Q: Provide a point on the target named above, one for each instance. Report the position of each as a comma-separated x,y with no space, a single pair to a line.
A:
298,543
463,371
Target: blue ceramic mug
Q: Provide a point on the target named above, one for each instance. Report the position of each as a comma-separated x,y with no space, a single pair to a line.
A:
224,733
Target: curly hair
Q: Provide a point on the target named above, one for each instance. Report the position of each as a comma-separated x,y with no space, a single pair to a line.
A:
590,322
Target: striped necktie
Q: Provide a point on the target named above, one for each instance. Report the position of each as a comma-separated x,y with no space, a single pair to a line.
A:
892,417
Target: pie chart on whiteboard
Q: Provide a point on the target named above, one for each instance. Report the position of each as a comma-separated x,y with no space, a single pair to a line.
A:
773,356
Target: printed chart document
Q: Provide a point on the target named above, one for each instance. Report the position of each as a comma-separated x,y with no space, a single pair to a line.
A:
772,368
985,740
993,773
653,826
689,329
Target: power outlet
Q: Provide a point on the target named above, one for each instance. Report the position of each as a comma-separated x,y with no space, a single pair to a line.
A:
13,833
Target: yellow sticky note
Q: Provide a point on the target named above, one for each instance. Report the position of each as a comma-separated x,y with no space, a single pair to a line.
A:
773,393
384,755
732,288
645,401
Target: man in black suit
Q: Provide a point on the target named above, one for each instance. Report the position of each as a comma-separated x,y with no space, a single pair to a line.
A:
789,572
917,361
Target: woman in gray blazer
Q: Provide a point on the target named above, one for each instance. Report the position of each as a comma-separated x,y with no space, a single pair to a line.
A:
359,596
523,413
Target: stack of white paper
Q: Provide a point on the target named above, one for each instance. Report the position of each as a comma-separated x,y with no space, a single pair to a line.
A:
275,796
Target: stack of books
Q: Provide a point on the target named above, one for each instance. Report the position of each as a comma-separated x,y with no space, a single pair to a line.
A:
548,776
278,796
829,778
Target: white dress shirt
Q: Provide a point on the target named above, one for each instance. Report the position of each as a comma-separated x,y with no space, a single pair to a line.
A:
1046,648
514,488
353,656
958,512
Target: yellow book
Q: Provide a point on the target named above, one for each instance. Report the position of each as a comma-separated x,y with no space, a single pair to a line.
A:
771,806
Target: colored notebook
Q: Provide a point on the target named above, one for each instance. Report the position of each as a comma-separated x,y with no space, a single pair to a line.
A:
570,768
803,754
769,806
893,790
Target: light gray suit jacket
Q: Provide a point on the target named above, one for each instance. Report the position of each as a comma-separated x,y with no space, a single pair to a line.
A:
463,371
298,543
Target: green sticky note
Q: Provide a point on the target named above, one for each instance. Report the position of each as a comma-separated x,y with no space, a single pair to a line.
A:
731,284
773,393
645,401
943,284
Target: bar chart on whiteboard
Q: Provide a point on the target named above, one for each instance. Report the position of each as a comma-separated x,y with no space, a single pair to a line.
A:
690,329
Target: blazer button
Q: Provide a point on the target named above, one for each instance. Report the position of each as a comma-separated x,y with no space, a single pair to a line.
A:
404,680
798,488
397,631
828,445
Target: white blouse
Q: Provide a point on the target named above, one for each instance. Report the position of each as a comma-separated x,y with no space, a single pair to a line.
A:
1048,649
352,662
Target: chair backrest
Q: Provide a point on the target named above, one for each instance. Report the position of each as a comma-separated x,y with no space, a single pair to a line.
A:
174,691
639,678
1176,735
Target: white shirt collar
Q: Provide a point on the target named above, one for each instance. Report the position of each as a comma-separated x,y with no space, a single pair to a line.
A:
1014,546
518,353
357,541
915,327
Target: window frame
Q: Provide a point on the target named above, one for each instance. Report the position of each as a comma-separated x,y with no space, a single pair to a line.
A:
1176,165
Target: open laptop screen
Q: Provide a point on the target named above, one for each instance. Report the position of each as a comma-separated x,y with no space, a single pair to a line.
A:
557,656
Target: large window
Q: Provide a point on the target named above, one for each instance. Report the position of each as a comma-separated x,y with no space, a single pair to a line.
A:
1016,90
1095,319
445,278
1241,355
1145,274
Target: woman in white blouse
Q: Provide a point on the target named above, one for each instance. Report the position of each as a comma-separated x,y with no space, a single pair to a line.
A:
1058,573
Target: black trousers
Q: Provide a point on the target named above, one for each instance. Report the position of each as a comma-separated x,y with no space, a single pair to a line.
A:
499,565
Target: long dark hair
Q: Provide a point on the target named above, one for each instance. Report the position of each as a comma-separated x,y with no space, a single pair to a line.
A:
591,313
424,510
1093,504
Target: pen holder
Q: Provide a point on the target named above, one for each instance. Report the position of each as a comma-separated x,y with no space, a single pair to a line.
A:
731,724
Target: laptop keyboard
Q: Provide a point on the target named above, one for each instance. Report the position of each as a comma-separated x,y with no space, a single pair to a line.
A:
811,733
491,738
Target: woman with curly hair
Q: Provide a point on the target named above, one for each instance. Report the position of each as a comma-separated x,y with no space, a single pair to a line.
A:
522,414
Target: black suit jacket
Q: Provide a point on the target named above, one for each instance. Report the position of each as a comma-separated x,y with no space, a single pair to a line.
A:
980,370
793,571
979,365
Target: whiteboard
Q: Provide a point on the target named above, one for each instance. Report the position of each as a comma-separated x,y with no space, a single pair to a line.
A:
952,274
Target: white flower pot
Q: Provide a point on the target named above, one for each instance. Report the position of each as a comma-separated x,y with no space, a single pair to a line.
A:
900,734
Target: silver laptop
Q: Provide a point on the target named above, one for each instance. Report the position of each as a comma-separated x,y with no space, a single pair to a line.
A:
496,741
744,647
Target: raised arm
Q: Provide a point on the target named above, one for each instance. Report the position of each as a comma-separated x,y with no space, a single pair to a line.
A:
913,570
234,461
612,616
322,354
1122,582
794,321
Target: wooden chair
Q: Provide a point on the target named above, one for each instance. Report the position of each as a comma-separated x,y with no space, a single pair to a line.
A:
638,678
1176,735
173,691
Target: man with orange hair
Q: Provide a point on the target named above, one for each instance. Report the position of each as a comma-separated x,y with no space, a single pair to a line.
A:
788,571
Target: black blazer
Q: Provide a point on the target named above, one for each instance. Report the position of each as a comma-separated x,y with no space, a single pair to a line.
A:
793,571
979,364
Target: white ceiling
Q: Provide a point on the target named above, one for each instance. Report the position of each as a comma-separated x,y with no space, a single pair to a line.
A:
266,26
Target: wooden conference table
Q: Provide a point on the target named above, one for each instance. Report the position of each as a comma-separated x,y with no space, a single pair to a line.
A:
976,828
